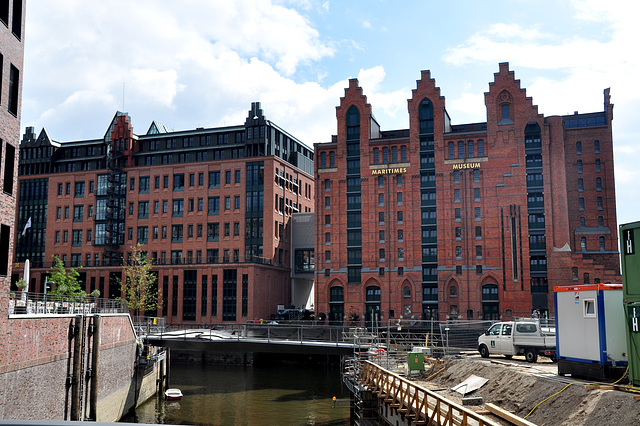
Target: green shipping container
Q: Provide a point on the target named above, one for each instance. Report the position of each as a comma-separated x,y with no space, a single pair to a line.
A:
630,251
415,361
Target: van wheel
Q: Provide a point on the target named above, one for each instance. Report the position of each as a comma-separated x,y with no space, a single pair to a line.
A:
508,356
530,355
484,351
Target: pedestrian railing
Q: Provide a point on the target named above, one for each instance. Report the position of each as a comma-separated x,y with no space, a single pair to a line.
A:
28,303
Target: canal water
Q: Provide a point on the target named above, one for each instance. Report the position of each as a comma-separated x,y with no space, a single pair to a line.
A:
220,395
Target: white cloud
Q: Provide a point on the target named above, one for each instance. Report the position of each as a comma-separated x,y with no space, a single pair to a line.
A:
180,63
571,73
366,24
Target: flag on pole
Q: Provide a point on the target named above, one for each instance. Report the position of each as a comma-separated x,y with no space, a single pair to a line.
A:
27,226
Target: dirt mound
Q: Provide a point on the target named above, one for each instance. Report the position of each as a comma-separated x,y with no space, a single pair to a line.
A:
514,388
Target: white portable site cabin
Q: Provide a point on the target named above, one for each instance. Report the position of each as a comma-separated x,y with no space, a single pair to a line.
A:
591,331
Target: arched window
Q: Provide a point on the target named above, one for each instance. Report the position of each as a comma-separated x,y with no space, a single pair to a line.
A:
453,291
490,307
406,291
353,123
504,109
451,150
373,293
336,305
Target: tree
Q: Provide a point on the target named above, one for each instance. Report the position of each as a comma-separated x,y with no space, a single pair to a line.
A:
66,280
138,287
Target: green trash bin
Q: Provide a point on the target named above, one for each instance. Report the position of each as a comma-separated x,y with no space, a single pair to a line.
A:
415,361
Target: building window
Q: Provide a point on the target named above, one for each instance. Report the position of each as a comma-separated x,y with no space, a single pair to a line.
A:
476,175
79,190
381,218
579,148
579,166
585,277
583,222
400,217
596,146
327,237
574,273
599,203
400,254
381,255
458,252
476,194
477,213
598,184
456,176
600,221
480,148
14,83
458,233
601,241
505,111
478,252
583,243
214,179
380,181
381,199
581,204
451,150
478,232
457,213
580,185
456,195
400,235
381,236
78,213
598,167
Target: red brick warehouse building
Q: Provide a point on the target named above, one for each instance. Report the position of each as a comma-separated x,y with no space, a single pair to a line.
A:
211,206
464,221
12,15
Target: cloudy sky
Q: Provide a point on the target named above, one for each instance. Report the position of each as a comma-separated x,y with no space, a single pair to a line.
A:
200,63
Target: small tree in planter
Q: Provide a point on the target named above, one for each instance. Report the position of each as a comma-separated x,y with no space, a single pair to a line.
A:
138,287
66,280
21,284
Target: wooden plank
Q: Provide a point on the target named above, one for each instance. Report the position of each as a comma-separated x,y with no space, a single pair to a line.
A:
519,421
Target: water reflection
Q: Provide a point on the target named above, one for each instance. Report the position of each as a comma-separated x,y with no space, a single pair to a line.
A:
245,395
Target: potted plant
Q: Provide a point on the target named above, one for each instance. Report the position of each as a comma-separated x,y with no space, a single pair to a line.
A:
21,306
21,284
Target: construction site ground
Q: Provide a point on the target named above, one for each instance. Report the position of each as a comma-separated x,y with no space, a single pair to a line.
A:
517,386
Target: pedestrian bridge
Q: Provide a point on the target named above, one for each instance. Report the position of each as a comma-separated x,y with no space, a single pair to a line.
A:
307,337
268,338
